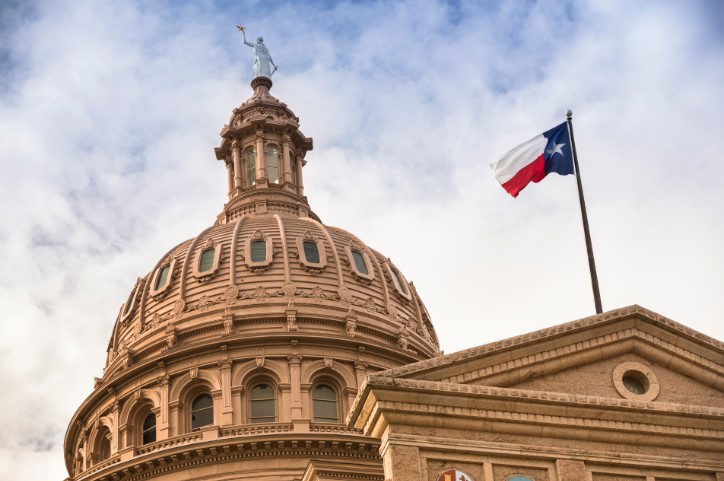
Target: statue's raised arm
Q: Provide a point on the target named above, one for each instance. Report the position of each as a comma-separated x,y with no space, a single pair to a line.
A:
262,58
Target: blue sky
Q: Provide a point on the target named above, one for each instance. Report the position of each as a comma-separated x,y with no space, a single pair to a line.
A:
109,113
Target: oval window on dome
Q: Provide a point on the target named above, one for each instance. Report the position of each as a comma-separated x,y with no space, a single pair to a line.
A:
207,260
272,164
311,252
258,251
161,279
359,262
399,281
130,304
250,166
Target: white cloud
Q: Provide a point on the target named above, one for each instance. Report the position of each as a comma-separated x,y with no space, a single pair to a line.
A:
109,113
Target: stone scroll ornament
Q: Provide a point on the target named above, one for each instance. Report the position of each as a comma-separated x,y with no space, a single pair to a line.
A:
454,475
263,62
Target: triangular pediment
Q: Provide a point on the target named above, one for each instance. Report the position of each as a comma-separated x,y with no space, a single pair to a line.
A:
596,356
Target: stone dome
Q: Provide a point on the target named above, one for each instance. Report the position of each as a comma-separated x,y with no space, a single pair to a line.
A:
250,341
259,282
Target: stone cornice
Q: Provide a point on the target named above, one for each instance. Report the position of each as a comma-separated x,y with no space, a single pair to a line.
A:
591,346
225,449
555,398
562,329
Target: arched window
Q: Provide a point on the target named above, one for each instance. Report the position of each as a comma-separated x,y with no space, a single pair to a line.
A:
206,262
262,406
519,478
258,250
359,262
103,445
130,304
162,277
148,434
311,252
324,404
272,164
399,283
202,411
250,165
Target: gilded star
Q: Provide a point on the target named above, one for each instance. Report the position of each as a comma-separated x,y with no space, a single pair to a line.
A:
556,149
240,28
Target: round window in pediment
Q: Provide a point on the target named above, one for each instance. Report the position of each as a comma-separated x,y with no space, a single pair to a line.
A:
635,381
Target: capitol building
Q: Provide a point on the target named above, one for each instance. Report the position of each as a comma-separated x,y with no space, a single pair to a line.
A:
274,347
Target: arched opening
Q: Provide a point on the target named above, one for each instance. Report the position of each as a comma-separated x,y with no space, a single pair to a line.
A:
250,166
272,164
262,403
148,429
202,411
102,445
324,404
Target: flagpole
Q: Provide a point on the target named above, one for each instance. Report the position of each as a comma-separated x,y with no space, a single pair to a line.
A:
584,216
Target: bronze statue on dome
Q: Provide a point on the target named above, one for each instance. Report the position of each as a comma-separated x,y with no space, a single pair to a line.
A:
262,58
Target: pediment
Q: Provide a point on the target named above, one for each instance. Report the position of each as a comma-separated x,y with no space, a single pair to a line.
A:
595,356
609,378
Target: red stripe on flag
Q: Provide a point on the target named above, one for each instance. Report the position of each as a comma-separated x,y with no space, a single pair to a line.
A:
533,172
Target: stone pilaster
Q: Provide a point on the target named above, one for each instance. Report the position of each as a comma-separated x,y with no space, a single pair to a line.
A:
226,418
295,361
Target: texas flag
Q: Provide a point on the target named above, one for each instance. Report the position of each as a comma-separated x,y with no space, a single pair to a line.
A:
531,161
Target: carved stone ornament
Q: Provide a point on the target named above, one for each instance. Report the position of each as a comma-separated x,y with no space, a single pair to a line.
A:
231,294
260,294
171,337
290,290
351,327
178,307
291,313
228,324
345,295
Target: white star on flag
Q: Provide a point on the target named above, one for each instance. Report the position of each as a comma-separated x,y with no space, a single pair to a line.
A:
556,149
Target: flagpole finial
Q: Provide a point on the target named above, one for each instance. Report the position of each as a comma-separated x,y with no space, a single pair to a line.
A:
569,114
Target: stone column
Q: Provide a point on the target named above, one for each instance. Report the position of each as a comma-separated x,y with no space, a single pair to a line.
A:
230,175
570,470
226,408
287,175
300,181
260,161
236,155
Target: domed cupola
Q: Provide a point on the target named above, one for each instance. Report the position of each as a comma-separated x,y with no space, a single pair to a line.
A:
263,150
249,341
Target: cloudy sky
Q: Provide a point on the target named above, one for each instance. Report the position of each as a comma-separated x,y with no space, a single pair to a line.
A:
109,113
